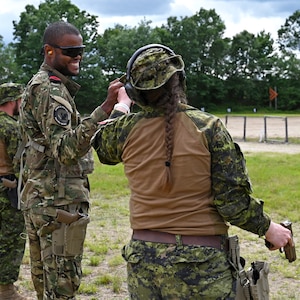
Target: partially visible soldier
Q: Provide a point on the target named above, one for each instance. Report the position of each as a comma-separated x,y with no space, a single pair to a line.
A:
12,245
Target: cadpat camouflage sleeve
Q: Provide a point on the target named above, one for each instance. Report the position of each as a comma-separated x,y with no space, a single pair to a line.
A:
110,138
13,138
231,184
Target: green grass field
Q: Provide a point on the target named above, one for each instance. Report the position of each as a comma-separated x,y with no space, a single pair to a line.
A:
275,179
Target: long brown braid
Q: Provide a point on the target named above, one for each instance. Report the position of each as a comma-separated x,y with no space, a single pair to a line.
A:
167,98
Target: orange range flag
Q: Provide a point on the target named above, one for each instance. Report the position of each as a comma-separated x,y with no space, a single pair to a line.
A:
272,94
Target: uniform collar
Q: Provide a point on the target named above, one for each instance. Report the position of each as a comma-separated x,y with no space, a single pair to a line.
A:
71,85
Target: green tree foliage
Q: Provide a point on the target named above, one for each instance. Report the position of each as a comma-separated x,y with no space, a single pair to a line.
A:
220,71
250,62
200,41
286,77
289,33
9,71
28,33
118,44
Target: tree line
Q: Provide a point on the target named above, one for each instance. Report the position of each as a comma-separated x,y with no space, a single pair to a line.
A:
220,71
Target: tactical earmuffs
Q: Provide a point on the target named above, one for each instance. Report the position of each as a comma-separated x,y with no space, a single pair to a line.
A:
131,91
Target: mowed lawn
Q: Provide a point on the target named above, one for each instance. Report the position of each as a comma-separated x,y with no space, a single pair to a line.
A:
275,179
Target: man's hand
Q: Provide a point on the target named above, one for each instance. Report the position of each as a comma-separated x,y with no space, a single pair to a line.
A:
112,95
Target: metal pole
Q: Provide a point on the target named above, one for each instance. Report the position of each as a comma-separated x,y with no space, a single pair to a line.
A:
244,128
265,128
286,131
275,89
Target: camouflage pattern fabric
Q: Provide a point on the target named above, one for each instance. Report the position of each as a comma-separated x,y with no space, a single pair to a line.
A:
230,182
162,271
12,245
10,137
173,271
10,92
153,68
54,277
58,160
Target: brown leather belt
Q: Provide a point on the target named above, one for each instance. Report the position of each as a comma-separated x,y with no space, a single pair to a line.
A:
215,241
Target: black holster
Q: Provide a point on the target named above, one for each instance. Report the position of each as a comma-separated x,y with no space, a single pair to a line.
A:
12,192
12,195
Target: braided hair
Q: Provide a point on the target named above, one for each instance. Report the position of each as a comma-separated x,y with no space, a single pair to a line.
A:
167,98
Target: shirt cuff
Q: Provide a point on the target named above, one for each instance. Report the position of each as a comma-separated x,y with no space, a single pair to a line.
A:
116,113
98,115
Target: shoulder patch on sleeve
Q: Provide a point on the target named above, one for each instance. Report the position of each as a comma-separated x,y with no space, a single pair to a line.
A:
61,115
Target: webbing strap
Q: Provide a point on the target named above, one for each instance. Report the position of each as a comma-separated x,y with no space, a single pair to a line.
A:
234,249
46,252
20,180
21,148
36,146
61,180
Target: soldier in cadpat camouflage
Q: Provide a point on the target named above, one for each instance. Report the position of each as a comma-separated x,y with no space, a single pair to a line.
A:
12,244
188,181
55,197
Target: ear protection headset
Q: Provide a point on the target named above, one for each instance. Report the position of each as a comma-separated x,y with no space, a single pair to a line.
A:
131,91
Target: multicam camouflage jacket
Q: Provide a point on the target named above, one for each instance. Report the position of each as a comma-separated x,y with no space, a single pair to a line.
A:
231,185
58,153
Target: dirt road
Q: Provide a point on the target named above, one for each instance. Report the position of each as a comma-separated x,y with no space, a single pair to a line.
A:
263,128
279,132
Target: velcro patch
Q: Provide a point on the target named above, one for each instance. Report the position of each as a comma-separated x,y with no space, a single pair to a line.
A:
61,115
54,79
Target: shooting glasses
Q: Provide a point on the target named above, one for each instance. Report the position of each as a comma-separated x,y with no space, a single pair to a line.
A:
71,51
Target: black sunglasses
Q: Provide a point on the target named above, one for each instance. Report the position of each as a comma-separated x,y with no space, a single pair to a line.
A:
71,51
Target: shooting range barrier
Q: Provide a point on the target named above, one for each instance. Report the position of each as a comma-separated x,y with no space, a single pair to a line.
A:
268,129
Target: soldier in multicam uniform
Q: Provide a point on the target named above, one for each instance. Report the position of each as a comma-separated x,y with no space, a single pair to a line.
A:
12,244
55,197
187,179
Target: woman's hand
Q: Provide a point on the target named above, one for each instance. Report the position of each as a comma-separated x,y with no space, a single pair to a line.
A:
278,236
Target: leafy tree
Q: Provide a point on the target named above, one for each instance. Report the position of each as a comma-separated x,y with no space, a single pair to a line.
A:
289,33
219,71
286,77
28,33
199,39
117,45
250,55
9,71
249,64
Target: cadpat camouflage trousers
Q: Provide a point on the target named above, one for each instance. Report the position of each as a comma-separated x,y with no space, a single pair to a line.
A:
12,245
168,271
54,277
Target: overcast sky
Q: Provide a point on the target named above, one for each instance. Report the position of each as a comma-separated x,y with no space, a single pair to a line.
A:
251,15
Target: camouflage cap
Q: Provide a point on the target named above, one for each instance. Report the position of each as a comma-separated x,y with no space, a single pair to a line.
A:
10,92
153,68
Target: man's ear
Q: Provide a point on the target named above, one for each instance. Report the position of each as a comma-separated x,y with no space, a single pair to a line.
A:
48,50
